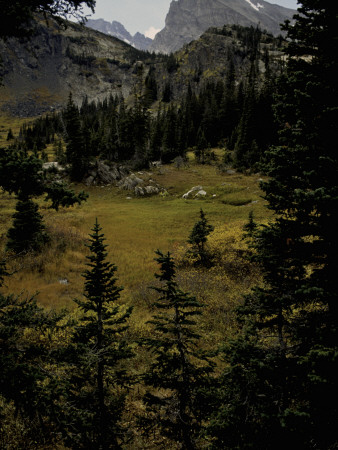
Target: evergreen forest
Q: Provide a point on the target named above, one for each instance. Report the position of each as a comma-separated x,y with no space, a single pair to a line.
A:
102,373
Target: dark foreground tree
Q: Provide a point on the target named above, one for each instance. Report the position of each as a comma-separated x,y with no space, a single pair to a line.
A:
16,16
282,381
26,381
179,374
24,176
97,385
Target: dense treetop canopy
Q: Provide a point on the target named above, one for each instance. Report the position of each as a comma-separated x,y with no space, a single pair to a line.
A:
16,15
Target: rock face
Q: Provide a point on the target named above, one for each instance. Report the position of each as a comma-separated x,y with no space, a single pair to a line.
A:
39,74
140,186
103,174
188,19
117,30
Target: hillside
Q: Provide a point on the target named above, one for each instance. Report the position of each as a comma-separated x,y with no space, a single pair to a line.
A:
210,58
188,19
38,75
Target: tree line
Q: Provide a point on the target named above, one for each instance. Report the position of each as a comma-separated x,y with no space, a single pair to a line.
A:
234,113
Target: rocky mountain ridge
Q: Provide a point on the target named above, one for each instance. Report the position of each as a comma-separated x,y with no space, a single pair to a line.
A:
188,19
116,29
38,74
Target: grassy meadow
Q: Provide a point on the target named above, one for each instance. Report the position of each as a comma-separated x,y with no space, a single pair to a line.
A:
134,228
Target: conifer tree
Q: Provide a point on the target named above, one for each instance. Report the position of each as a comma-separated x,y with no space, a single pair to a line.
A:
24,176
25,380
28,231
179,373
283,376
245,155
96,390
10,135
198,238
150,92
76,151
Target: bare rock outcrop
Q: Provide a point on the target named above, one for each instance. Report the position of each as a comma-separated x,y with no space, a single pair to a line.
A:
188,19
140,187
103,174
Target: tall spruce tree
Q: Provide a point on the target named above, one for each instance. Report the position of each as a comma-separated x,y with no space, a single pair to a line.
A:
282,381
179,373
96,391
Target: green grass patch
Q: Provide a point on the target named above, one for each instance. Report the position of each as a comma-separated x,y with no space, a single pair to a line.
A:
134,228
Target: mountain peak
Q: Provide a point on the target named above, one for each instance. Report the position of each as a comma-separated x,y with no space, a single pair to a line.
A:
116,29
188,19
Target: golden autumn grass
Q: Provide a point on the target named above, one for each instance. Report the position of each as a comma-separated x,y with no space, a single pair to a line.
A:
134,229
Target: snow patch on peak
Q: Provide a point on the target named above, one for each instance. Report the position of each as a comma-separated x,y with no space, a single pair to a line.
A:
256,7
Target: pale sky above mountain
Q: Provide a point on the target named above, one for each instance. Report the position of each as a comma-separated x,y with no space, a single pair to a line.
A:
146,16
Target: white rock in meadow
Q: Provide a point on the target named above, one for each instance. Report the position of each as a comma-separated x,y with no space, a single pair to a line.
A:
192,190
201,193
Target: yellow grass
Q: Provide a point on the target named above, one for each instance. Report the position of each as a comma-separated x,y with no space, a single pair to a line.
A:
134,229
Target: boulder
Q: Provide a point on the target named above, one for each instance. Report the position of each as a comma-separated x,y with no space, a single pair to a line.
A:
130,182
155,164
138,186
53,165
151,190
201,193
139,191
103,174
192,191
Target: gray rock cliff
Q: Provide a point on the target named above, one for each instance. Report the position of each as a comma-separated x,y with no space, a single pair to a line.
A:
37,75
188,19
117,30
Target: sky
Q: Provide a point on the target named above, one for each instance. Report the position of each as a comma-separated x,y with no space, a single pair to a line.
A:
146,16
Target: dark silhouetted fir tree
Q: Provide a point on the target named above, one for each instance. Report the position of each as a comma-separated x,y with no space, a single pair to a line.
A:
97,383
282,379
178,377
76,149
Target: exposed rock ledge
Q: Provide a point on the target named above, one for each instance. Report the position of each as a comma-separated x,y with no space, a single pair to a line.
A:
112,174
